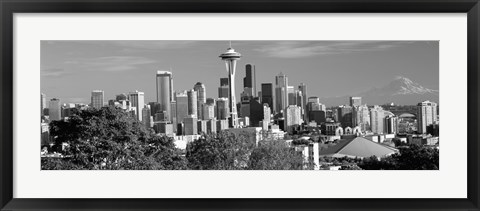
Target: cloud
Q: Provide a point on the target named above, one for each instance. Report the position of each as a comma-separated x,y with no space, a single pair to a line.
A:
110,63
153,45
300,49
52,72
107,64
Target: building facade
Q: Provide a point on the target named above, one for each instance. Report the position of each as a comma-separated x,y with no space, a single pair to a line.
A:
97,99
164,86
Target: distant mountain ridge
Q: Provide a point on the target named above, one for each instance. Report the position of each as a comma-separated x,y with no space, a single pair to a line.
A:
401,91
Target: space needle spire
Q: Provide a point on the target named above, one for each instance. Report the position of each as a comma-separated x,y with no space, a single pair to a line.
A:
231,57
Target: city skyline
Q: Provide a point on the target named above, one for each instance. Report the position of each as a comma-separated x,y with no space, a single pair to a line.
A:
61,74
287,116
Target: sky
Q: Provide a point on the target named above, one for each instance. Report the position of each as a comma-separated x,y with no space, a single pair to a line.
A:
70,70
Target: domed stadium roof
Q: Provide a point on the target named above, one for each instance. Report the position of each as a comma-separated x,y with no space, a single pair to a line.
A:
407,115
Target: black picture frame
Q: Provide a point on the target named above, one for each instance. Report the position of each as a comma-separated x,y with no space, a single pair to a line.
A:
10,7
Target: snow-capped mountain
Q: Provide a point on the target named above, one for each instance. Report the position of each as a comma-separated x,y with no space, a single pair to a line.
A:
401,91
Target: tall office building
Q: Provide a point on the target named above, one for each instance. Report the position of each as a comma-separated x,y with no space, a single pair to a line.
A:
182,106
267,112
256,112
250,80
223,89
355,101
43,103
192,103
222,108
231,57
267,94
377,117
303,88
293,117
281,95
55,109
173,114
164,85
361,117
426,115
97,99
391,124
245,98
345,115
201,98
191,125
208,111
146,116
313,104
292,97
137,100
212,126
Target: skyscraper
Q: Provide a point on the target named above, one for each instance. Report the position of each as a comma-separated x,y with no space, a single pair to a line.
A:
54,110
426,115
293,117
256,112
345,115
137,100
191,125
97,99
173,114
231,57
201,98
182,106
391,124
267,94
303,88
281,95
208,111
192,103
355,101
376,119
223,89
361,117
292,97
313,104
43,103
222,108
164,83
146,116
250,80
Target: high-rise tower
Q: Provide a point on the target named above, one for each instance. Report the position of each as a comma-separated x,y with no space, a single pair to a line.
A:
164,82
250,80
137,100
426,115
281,94
97,99
231,57
201,98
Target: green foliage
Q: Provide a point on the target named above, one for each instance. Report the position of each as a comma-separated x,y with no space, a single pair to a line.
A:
275,155
111,139
223,151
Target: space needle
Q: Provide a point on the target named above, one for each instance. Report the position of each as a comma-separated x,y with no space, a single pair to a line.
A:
230,57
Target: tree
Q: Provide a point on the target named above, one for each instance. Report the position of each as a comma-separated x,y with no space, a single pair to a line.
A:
222,151
276,155
111,139
410,157
416,157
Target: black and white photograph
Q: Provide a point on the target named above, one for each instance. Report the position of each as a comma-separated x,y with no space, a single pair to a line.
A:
239,105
